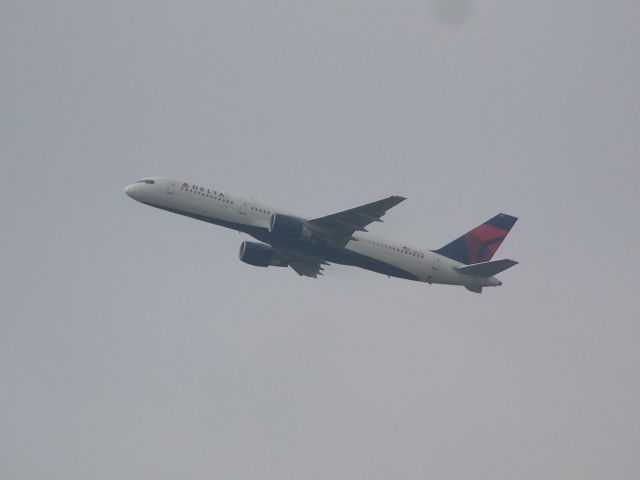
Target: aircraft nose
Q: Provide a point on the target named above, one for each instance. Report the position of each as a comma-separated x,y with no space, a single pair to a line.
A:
130,190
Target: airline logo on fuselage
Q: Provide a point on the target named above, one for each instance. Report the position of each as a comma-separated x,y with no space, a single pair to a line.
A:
205,191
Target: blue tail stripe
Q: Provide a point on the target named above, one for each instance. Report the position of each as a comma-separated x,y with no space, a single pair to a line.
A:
502,220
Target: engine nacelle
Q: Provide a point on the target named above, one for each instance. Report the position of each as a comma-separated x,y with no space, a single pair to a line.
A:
259,255
288,226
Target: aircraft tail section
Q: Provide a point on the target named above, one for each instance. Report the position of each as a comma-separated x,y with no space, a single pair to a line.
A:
480,244
474,288
487,269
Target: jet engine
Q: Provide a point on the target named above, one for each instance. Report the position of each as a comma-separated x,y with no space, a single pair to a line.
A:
259,255
288,226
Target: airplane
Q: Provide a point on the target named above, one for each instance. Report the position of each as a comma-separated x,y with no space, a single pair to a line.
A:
307,245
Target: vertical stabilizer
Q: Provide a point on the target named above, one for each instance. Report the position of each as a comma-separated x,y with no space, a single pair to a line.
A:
481,243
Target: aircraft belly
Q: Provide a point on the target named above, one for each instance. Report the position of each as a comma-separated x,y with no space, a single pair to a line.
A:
343,256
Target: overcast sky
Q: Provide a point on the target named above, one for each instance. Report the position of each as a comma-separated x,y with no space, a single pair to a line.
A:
133,342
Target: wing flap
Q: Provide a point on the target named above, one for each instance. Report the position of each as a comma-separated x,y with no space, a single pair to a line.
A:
306,269
304,265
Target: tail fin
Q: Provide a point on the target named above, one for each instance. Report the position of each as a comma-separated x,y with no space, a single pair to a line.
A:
481,243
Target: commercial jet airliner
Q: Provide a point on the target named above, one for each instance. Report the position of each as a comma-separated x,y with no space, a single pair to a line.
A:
308,244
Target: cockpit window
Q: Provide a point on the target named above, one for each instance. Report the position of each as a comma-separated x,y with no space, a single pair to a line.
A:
150,182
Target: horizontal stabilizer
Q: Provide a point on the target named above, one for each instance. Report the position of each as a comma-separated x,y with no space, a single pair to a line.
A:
487,269
473,288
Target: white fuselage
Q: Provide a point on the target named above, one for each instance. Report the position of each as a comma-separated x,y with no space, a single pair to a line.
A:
253,218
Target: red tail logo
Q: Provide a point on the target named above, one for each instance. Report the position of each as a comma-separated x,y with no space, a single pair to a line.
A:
481,243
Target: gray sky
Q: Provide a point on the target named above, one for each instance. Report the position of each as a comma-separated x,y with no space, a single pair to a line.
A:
134,344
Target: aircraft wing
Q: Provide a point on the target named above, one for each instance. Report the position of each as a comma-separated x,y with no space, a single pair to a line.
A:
304,265
341,226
